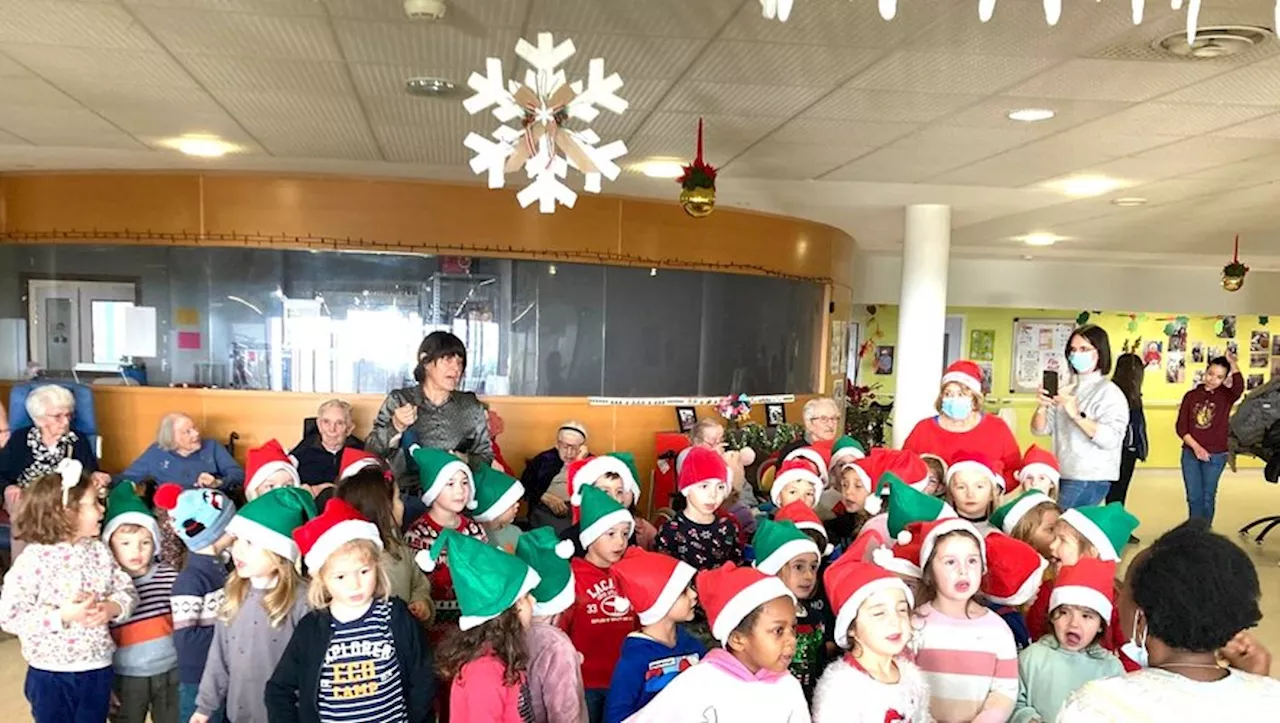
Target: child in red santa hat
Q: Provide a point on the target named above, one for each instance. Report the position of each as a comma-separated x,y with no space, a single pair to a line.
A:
697,535
974,487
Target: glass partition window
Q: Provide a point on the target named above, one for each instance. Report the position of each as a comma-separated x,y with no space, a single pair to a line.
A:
352,322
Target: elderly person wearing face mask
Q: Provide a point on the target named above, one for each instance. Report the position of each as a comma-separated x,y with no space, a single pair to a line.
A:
546,508
35,451
319,455
822,423
179,455
963,426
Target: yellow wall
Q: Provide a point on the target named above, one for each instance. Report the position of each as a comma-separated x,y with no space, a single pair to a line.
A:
1160,398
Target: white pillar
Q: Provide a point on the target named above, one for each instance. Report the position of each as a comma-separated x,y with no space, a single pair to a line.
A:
922,315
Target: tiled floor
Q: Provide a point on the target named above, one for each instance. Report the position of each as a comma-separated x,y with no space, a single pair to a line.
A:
1156,497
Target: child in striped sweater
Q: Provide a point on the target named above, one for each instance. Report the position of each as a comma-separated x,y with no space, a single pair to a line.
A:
146,663
966,651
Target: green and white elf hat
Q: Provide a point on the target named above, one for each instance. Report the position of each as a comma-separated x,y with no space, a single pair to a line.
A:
269,521
435,468
486,580
125,507
548,555
494,494
907,505
845,450
1108,528
599,512
1007,516
777,543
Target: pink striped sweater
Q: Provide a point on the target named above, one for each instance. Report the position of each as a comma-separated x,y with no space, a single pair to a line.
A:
971,665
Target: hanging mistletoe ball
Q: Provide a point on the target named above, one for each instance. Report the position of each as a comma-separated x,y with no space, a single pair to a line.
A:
1233,276
698,184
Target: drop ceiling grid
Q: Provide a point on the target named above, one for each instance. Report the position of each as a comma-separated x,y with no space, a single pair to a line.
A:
733,61
936,72
1117,80
298,76
9,139
320,141
428,47
71,24
239,34
838,133
87,67
1257,84
793,161
269,7
661,18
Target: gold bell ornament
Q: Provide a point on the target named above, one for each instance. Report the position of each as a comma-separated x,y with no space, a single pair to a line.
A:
698,185
1233,273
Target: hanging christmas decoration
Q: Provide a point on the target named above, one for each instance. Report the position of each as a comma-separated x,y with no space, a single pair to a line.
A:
1233,273
698,184
1082,318
780,9
1263,320
542,145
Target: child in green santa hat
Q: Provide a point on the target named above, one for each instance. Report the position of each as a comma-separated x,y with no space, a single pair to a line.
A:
487,660
555,668
496,503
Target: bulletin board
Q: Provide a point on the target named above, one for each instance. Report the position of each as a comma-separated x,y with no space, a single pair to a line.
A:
1038,346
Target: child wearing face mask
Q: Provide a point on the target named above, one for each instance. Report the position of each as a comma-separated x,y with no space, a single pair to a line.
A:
1091,532
600,619
782,549
359,655
1057,665
448,489
1030,517
872,682
1039,472
966,651
753,617
974,484
660,588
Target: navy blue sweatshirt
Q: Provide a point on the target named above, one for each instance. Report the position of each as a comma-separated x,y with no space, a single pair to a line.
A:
644,669
197,595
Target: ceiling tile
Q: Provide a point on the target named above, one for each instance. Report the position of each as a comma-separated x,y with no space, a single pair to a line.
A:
1257,84
432,49
10,68
929,72
666,18
886,106
266,7
407,110
779,63
963,143
841,132
1091,142
150,127
278,110
752,100
1265,127
792,161
836,24
465,14
241,35
101,66
322,141
629,57
897,165
1018,29
718,149
415,144
63,127
685,125
8,139
71,24
1170,119
993,112
302,76
1022,166
1088,79
33,92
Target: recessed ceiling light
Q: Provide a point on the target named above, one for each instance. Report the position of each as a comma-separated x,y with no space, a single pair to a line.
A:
1085,186
429,87
1129,201
660,168
1031,115
200,146
1041,238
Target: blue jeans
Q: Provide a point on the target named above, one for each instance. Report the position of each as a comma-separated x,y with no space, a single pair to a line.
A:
69,697
1201,481
1073,493
596,698
187,703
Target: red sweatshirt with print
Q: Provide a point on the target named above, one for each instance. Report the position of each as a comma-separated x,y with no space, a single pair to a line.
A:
598,622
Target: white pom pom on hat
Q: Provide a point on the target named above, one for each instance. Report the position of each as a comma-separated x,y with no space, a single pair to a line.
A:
472,503
746,456
576,499
425,562
904,537
564,549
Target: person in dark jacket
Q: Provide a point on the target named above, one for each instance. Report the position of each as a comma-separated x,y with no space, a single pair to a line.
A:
1128,375
571,444
319,455
432,413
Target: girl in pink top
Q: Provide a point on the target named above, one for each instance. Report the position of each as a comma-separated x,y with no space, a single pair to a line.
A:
966,652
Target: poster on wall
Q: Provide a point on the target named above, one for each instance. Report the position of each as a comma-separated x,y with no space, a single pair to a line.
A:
1152,354
1260,340
1198,378
1258,360
982,345
884,360
1233,349
1275,369
1038,346
1197,352
1253,382
1175,368
987,375
835,351
1228,328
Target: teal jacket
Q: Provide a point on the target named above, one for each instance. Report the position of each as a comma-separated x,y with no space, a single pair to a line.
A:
1048,675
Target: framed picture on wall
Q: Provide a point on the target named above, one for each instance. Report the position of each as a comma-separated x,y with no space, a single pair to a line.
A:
686,418
775,414
884,360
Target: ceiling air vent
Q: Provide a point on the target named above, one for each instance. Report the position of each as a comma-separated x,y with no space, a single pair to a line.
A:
1215,41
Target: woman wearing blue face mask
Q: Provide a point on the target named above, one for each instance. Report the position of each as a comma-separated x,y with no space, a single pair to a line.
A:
1186,603
1088,420
962,426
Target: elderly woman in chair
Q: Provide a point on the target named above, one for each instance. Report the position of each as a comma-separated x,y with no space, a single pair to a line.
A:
35,451
179,455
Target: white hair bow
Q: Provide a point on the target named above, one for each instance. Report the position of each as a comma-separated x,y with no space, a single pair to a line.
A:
70,470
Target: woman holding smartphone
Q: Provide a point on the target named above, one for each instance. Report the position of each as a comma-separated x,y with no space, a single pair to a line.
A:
1087,419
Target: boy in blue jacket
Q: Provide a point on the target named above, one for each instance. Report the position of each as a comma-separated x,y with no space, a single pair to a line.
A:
200,518
658,586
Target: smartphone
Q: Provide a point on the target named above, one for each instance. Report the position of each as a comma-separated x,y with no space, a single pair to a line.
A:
1050,383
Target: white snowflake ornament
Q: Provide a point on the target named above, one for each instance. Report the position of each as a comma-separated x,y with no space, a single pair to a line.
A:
780,9
542,145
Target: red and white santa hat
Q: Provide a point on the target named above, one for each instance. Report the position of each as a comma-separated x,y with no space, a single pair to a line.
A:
1039,461
702,465
1089,583
264,461
817,454
339,524
972,461
964,373
931,531
849,582
795,470
906,466
1014,570
902,556
652,582
587,471
729,593
354,460
804,518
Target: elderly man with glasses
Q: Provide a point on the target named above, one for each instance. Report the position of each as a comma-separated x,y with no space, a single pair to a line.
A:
545,507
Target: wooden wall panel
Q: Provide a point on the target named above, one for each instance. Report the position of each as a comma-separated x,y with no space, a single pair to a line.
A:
130,416
162,203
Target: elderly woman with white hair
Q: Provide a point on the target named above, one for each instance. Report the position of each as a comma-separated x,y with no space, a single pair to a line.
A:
35,451
179,455
822,423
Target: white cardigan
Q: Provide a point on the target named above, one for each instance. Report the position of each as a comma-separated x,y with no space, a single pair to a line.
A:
848,695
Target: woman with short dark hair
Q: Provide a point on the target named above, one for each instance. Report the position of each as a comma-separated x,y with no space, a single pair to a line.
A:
1087,419
1185,601
1202,427
432,413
